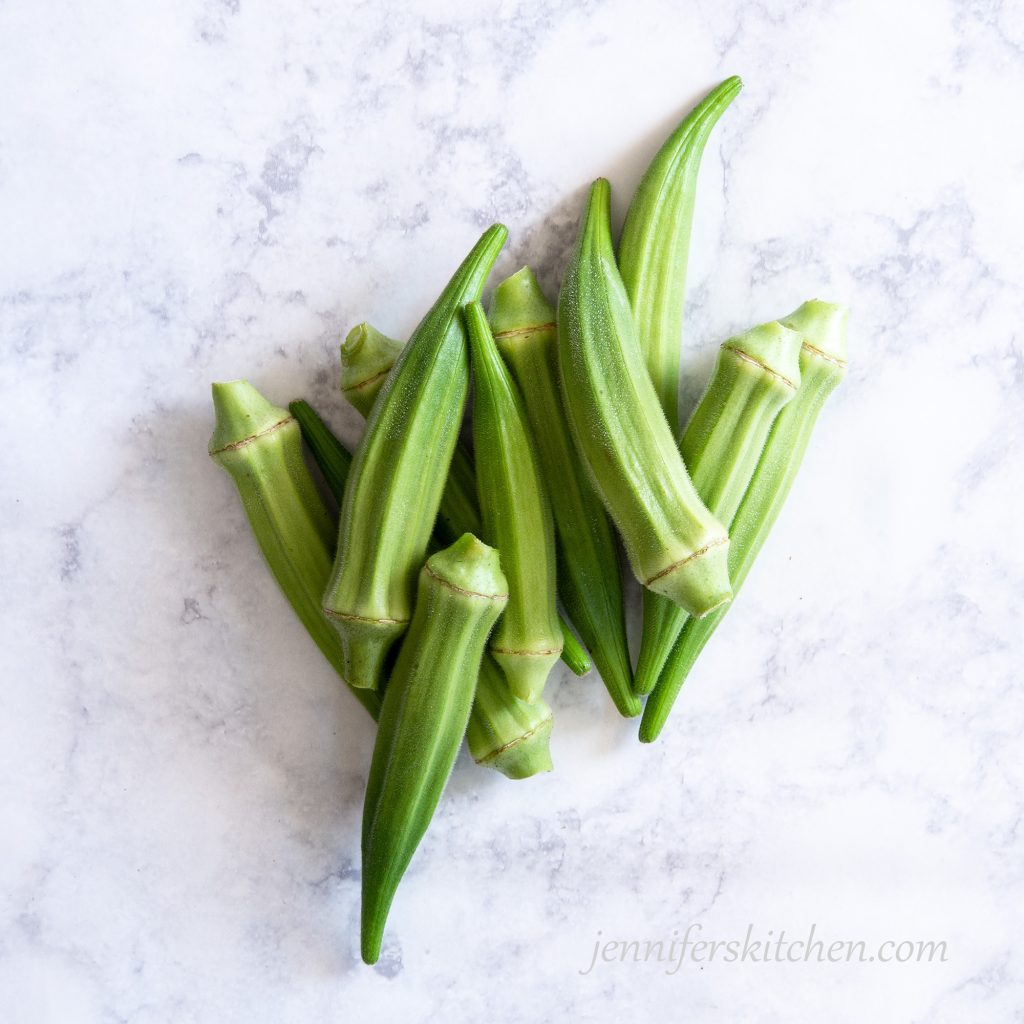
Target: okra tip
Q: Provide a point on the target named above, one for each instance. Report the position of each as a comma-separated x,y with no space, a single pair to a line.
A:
242,413
518,305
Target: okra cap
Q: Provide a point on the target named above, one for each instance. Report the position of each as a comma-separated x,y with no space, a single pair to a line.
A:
242,414
519,305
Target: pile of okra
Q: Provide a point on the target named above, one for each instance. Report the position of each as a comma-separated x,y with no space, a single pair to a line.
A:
450,581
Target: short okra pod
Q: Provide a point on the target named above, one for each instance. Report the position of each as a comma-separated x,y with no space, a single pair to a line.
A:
822,327
757,373
364,356
589,581
675,546
426,708
400,467
259,445
517,518
504,732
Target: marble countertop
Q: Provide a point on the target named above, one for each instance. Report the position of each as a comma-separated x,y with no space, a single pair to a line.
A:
208,189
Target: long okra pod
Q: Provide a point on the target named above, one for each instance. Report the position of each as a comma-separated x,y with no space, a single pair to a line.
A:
259,445
675,546
400,467
822,367
504,733
589,582
426,708
364,362
757,373
655,244
517,517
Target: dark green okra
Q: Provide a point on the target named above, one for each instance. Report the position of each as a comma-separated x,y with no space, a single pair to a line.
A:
259,445
400,467
461,593
517,518
504,733
757,373
589,582
364,361
655,244
675,546
822,367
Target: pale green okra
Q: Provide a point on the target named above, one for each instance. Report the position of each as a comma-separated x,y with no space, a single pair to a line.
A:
589,581
365,356
756,374
823,355
504,733
394,489
675,546
517,518
655,244
426,708
259,445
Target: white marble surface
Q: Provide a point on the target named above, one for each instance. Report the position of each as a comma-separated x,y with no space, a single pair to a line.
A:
207,189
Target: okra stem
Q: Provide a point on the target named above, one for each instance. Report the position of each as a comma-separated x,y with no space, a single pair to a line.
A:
589,582
426,709
394,488
822,367
259,445
655,244
756,374
675,546
517,518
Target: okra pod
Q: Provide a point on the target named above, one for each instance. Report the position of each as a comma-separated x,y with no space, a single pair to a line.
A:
655,244
822,327
675,546
461,593
757,373
517,519
400,467
259,445
504,733
458,514
589,582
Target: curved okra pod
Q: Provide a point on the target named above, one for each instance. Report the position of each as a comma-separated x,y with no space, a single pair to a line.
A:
504,733
757,373
675,546
822,327
259,445
517,519
589,582
363,359
400,467
423,718
655,243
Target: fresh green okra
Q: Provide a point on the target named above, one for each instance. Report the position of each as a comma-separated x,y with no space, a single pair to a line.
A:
655,244
589,582
757,373
517,518
504,733
822,367
363,359
675,546
461,593
259,445
400,467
